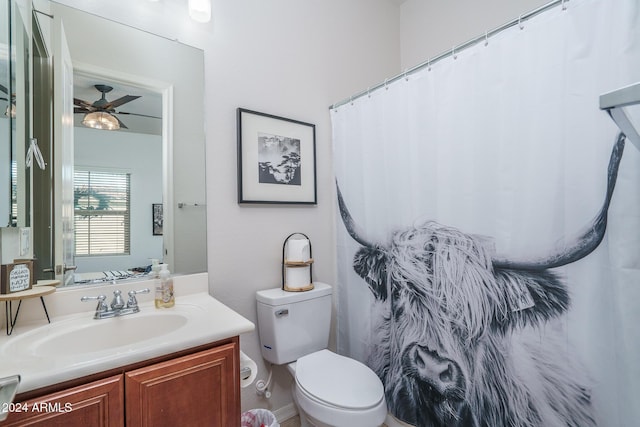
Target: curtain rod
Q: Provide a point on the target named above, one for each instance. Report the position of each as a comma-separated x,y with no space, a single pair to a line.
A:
456,49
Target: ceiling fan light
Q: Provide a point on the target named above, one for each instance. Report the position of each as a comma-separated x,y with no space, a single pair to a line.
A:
100,120
200,10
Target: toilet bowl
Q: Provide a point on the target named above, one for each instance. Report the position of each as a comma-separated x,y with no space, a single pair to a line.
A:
331,390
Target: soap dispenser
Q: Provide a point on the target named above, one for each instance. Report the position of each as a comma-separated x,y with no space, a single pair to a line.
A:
155,268
164,288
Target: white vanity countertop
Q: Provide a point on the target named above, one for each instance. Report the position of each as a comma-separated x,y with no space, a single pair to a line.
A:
75,345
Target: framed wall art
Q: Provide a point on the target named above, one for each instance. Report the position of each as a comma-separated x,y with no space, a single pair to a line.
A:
276,159
158,219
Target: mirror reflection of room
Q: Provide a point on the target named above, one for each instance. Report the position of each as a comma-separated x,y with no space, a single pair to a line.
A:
120,101
117,179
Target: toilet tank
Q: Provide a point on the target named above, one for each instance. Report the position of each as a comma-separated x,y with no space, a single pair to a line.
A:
293,324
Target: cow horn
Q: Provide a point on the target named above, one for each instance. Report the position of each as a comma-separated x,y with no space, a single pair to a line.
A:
587,240
354,230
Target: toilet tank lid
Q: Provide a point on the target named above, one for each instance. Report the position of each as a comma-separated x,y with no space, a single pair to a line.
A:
278,296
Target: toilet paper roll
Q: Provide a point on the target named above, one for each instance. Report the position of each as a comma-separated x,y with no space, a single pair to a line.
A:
298,250
297,278
248,370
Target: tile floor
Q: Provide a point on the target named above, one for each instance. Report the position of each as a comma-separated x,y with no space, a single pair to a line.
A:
291,422
295,422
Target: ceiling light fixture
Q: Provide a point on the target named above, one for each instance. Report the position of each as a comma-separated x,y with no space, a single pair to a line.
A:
101,120
200,10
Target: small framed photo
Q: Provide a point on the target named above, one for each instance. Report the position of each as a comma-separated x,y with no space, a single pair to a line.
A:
158,219
276,159
16,277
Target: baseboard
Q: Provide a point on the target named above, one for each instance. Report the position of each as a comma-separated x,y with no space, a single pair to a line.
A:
286,412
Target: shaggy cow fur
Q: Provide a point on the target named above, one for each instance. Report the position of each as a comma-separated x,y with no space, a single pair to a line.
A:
448,303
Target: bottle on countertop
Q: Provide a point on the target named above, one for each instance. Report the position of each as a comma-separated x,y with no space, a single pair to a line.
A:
164,288
155,268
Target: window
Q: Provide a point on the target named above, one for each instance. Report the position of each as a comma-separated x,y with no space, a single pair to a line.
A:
102,212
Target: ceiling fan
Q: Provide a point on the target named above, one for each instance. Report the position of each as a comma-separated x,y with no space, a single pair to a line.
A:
101,114
5,91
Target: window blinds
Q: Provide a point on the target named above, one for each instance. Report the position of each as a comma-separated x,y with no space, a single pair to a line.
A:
102,204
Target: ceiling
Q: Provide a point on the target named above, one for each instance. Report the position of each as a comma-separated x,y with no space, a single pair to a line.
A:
149,103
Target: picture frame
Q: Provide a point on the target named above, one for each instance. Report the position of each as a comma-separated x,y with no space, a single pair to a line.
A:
16,277
276,159
157,219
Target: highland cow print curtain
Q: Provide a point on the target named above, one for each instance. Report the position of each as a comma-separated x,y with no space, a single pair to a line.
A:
488,229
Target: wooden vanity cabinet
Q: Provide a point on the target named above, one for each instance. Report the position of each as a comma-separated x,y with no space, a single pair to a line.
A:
190,388
194,390
96,404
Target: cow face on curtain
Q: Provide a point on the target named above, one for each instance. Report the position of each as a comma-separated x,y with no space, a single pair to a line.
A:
457,342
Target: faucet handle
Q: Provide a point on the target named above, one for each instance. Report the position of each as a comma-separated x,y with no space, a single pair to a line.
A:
133,302
102,305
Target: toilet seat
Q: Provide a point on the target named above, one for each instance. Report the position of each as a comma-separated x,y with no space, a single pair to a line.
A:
337,381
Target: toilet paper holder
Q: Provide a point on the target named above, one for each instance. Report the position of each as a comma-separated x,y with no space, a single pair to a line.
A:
296,257
248,370
245,373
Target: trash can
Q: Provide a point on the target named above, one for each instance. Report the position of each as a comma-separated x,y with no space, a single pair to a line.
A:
258,418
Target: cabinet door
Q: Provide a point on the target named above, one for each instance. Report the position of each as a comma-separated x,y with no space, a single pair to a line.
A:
99,403
201,389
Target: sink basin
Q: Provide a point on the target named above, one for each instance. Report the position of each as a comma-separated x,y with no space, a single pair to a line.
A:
81,335
116,332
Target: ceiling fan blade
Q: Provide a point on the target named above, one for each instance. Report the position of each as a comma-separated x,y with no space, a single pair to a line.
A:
136,114
82,103
122,125
118,102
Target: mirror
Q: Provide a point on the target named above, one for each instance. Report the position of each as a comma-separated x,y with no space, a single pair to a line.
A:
161,167
5,120
117,179
15,117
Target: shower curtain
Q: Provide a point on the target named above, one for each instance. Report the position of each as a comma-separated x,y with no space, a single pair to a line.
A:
456,185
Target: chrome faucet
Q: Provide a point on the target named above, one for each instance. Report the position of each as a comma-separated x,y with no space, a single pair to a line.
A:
117,307
117,303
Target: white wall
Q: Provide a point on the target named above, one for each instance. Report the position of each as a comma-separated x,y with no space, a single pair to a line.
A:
289,58
141,156
431,27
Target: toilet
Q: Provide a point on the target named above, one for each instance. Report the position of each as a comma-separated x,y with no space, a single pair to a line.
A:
329,390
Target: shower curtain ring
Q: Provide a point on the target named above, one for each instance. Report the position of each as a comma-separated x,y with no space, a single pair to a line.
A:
429,64
369,92
406,76
351,99
453,53
520,22
486,38
386,87
564,6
